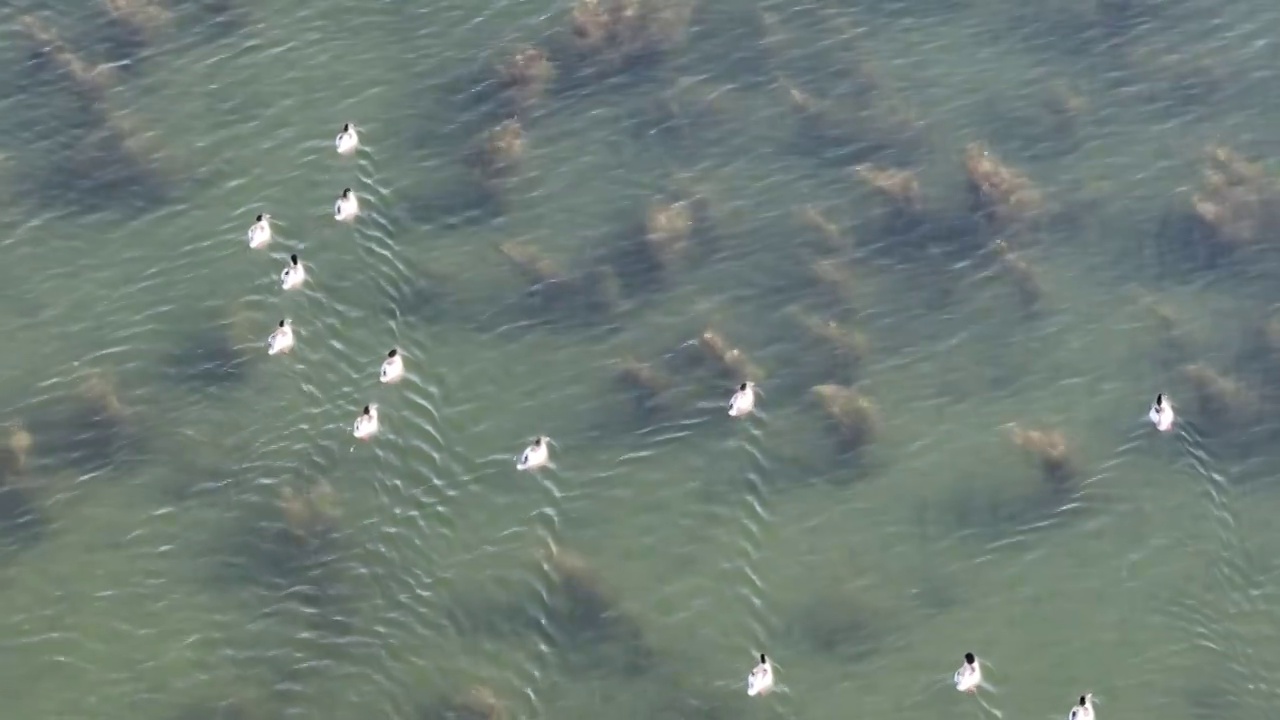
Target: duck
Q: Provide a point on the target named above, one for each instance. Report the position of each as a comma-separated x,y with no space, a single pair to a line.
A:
969,676
281,341
260,231
534,456
392,368
347,141
293,275
760,681
366,426
1161,414
347,207
743,401
1082,710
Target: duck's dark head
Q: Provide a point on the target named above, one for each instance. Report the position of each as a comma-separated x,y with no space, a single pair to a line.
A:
969,658
393,353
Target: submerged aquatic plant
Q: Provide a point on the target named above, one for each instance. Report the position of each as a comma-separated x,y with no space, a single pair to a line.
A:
1224,404
1049,448
213,356
524,76
585,615
138,23
843,622
855,419
89,430
1002,196
294,551
610,36
21,520
477,703
90,81
843,349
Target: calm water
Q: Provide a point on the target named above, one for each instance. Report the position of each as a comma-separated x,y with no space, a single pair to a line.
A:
147,568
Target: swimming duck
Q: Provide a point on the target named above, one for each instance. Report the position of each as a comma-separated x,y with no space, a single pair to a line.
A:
392,368
760,681
281,341
347,207
292,276
1161,414
260,231
969,676
1082,710
366,425
534,456
743,401
347,140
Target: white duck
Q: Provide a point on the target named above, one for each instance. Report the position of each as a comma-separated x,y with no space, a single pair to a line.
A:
281,341
1082,710
347,141
392,368
260,231
347,207
366,426
534,456
293,275
1161,414
969,676
760,681
743,401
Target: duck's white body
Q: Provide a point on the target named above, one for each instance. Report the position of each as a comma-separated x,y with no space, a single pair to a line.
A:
534,456
347,141
347,207
969,676
760,681
1082,710
281,341
392,368
366,426
260,232
743,401
293,275
1161,414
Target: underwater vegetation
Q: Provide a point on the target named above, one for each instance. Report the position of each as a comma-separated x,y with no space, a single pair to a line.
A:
1049,450
853,417
590,295
21,520
60,441
88,430
574,612
107,157
137,23
596,633
845,622
890,190
217,354
1235,211
609,37
476,703
291,548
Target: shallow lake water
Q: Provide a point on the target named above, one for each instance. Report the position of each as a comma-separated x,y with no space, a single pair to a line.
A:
193,533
